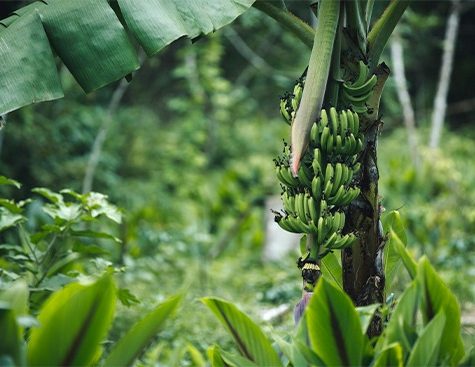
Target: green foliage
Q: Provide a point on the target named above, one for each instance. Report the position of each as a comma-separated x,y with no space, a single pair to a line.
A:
59,24
436,205
129,346
423,329
93,309
63,299
252,343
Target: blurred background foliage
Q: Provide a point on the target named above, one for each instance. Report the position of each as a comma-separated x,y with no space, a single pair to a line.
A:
188,157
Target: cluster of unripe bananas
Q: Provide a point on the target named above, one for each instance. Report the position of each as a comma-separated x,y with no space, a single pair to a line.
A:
355,94
316,199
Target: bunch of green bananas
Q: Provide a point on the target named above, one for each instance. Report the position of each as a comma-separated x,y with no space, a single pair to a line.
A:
315,200
355,94
289,102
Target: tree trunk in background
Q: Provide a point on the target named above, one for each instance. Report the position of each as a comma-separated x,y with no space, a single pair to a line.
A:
397,58
101,136
440,101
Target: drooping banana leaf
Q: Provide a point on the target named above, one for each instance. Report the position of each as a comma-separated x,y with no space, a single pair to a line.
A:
95,40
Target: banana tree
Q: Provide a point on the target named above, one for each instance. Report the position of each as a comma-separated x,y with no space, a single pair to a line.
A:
330,173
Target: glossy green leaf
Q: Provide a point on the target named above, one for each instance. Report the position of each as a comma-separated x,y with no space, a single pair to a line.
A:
94,234
436,297
393,221
392,259
9,219
73,323
366,314
28,73
426,348
291,351
10,345
310,356
214,356
139,336
90,40
334,327
331,269
5,180
236,360
392,355
196,357
250,339
157,23
102,52
48,194
16,296
401,326
401,250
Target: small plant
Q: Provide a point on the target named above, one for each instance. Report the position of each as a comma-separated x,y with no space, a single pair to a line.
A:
422,329
51,312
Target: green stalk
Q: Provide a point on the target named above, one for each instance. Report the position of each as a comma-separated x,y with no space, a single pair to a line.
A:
369,13
289,21
356,23
316,81
382,29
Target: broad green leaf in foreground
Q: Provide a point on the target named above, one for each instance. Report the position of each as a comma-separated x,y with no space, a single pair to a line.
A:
392,355
426,348
331,269
436,297
73,322
250,339
10,335
214,356
401,326
140,335
402,252
334,327
392,258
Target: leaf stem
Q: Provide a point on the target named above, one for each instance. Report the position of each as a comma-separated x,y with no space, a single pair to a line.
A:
292,23
382,29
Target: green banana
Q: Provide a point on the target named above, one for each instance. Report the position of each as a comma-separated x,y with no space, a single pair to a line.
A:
304,176
284,112
366,87
312,208
337,198
362,74
329,147
324,118
337,177
317,162
351,120
314,135
324,137
317,187
328,173
334,120
343,122
300,207
294,182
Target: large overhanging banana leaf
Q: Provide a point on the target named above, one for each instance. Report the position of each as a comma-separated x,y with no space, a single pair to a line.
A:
92,42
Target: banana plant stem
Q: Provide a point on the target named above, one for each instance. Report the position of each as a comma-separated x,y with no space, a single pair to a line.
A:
289,21
382,30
